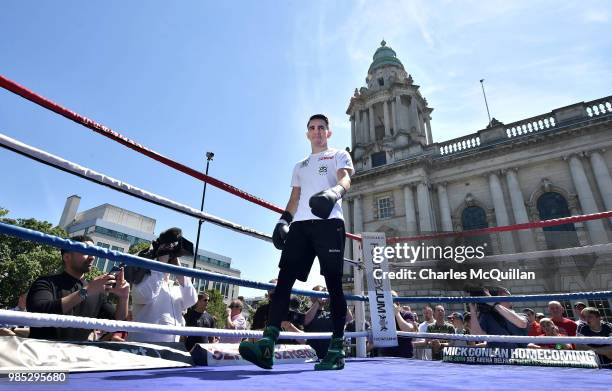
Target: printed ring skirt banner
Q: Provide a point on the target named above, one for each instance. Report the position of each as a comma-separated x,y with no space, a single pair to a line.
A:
382,312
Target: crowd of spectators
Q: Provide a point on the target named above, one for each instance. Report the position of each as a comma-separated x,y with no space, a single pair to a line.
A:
160,298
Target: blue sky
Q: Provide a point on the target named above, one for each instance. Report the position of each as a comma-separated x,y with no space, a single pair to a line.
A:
241,78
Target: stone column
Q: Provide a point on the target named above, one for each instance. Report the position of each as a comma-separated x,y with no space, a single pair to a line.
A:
424,203
357,215
399,113
394,115
414,116
362,128
348,249
386,119
428,125
587,200
445,211
526,237
602,177
353,130
501,213
372,124
411,220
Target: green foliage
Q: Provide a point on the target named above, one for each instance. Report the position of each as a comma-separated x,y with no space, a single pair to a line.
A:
216,307
135,249
22,261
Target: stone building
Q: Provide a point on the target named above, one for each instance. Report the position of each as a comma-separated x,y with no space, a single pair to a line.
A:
552,165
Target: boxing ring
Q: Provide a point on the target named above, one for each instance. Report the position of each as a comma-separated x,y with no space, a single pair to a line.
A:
359,373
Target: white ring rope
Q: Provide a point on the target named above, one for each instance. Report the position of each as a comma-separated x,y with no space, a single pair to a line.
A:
54,320
73,168
34,319
116,184
540,339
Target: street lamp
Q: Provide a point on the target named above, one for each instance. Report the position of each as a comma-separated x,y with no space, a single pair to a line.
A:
209,157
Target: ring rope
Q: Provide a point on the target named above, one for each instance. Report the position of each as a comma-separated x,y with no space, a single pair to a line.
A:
123,187
28,234
530,255
107,132
510,338
34,319
133,260
505,228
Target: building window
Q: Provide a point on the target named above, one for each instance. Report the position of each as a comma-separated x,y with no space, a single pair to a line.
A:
379,159
381,81
604,308
474,217
569,309
553,205
133,240
384,207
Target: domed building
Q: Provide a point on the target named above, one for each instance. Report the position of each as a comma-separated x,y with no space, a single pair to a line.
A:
553,165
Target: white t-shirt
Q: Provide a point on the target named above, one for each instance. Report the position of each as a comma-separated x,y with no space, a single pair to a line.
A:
157,300
316,173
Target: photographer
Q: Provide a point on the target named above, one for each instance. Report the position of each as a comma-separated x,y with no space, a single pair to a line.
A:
69,294
155,298
497,319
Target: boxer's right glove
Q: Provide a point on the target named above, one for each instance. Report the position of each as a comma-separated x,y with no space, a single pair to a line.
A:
281,230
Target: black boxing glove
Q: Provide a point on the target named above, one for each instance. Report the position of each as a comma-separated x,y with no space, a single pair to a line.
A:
322,203
281,230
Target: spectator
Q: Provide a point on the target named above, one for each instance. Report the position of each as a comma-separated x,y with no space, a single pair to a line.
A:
534,328
550,330
457,321
404,321
318,319
440,326
155,297
566,326
578,307
260,318
539,316
12,330
235,321
198,316
420,345
594,327
67,293
497,319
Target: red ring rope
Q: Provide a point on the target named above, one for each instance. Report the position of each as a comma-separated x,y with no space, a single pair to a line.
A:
504,228
105,131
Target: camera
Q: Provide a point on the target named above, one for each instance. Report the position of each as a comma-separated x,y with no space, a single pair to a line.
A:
114,271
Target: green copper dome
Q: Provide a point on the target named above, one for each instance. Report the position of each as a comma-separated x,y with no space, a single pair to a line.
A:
384,55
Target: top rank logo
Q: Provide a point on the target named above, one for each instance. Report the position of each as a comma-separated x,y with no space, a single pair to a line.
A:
322,170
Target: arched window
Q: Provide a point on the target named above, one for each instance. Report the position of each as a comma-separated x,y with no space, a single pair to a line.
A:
474,217
552,205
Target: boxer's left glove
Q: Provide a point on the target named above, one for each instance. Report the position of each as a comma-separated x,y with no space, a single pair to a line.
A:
322,203
281,230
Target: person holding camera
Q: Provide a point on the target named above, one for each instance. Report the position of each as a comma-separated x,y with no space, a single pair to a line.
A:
497,319
68,294
155,297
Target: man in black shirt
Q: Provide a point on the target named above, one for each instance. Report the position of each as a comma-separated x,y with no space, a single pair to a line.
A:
260,318
68,294
594,327
197,316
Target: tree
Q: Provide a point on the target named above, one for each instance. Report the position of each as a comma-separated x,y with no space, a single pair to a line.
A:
22,261
216,307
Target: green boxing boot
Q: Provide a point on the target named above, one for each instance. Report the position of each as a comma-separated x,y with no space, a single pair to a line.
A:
261,353
334,359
